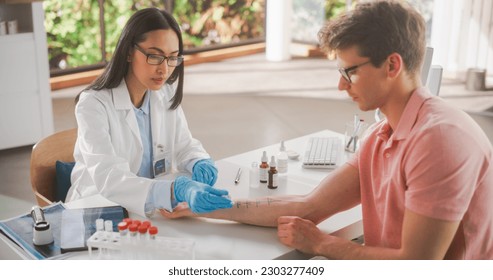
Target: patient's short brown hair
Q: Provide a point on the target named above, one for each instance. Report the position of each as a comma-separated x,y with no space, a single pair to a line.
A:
379,28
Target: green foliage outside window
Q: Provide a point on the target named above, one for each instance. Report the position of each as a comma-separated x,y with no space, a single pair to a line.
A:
74,32
116,14
206,22
335,7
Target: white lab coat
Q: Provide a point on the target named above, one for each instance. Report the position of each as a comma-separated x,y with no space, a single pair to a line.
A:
108,151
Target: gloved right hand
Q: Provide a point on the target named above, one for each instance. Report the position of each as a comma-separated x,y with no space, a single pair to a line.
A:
201,198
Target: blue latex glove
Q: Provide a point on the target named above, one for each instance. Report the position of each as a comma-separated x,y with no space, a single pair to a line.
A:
201,198
205,172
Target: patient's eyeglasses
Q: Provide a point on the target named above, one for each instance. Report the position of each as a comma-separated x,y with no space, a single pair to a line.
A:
157,59
345,71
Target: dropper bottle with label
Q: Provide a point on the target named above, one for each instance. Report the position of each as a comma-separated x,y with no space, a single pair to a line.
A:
264,168
273,179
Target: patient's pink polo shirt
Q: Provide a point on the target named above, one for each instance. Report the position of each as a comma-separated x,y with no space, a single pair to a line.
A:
437,163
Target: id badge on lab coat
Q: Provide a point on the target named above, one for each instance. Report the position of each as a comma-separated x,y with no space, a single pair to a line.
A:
159,165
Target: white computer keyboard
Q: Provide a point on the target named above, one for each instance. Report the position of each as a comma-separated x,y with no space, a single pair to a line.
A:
322,152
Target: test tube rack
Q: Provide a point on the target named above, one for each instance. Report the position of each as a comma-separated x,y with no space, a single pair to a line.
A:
112,245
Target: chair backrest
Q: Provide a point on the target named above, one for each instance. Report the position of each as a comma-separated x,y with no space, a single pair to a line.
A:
425,68
431,75
435,79
58,146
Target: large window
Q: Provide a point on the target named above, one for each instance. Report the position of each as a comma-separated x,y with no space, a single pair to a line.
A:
82,34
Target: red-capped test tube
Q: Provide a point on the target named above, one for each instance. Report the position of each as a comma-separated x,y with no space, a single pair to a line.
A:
136,222
146,223
123,228
143,233
152,233
132,229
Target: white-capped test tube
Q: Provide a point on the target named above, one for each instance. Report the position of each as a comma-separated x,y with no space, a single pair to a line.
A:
108,227
101,236
99,225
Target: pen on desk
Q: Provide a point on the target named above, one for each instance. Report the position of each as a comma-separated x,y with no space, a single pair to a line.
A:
237,179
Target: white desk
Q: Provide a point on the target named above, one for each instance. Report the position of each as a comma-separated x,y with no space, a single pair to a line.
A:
217,239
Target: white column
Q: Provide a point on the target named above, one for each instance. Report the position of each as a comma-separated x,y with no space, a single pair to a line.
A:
278,35
42,68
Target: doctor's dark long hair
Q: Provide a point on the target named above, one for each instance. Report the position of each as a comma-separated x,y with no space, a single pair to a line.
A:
138,25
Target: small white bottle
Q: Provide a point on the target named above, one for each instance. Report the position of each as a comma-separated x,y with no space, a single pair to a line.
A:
254,179
282,159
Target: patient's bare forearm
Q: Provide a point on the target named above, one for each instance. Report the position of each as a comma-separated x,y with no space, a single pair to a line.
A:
261,211
267,201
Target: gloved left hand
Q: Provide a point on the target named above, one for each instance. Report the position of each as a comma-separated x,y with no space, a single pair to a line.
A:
205,172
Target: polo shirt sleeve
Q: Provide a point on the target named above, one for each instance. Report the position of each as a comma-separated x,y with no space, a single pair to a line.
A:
442,167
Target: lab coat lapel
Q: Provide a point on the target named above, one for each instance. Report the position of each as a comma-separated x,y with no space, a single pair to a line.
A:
157,118
121,99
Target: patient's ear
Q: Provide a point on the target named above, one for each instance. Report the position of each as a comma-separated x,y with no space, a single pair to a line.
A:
395,65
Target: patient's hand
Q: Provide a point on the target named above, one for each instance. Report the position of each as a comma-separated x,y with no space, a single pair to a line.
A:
181,210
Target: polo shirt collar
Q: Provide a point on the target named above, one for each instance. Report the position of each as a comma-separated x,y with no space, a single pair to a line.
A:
408,117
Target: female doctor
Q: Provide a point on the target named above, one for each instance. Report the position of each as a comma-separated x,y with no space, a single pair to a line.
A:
132,130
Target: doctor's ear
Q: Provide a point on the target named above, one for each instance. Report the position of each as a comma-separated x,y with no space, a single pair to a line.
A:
129,56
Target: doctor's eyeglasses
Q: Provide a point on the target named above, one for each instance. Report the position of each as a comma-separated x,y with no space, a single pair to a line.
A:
157,59
346,71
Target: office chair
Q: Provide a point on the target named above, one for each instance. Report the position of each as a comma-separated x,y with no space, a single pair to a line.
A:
58,146
431,77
